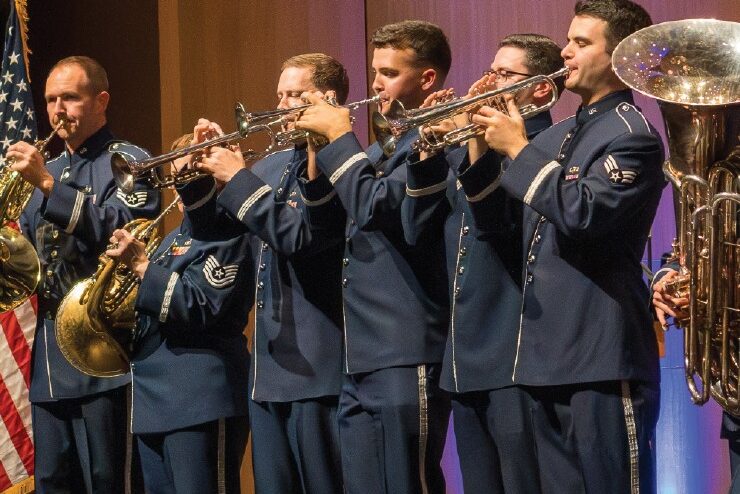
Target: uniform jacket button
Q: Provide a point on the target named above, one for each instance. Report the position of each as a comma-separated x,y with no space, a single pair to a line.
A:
345,261
262,266
345,282
461,270
260,285
260,304
465,230
463,251
457,291
530,278
537,239
531,258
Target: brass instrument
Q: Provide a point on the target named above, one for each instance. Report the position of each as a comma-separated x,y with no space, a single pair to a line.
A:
397,121
127,171
96,322
692,67
19,263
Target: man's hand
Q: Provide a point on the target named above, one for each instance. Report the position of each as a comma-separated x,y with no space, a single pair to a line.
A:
504,133
221,162
130,251
664,304
28,161
324,119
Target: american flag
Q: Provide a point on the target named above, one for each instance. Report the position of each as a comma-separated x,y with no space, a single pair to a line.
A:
17,122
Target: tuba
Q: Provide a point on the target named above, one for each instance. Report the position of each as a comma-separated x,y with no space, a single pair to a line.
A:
692,67
19,263
96,321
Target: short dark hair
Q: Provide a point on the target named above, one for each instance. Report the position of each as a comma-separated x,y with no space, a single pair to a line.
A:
543,54
622,17
96,74
327,73
426,39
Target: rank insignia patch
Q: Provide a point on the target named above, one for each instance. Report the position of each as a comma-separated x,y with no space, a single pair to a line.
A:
219,276
134,199
616,175
572,173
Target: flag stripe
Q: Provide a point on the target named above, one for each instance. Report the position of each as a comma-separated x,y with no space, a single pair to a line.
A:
18,347
11,462
16,430
4,479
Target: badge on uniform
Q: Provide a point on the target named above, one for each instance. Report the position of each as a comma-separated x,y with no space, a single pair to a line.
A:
572,173
133,200
217,275
616,175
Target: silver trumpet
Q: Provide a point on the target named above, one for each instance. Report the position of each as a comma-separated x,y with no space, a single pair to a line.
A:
127,171
397,121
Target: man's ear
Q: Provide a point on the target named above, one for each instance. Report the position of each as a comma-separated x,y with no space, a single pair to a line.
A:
542,92
101,100
428,79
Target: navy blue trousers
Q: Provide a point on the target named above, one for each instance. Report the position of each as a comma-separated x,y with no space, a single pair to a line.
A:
497,448
392,429
80,444
295,446
186,461
604,430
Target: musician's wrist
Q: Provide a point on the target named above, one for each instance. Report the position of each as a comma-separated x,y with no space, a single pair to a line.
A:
46,185
139,267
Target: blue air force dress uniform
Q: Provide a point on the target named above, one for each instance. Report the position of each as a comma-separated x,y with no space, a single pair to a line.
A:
485,290
586,350
297,347
78,419
392,414
190,366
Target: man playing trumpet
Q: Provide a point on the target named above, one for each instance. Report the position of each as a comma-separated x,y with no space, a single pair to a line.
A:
296,371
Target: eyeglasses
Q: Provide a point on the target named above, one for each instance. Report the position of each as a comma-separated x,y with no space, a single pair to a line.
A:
503,75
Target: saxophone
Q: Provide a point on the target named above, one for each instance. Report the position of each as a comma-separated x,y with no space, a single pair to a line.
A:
96,321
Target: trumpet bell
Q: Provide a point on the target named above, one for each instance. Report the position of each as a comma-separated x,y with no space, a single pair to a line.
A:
89,349
20,271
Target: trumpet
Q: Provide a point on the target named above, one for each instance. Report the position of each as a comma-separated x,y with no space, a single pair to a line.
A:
283,112
397,121
126,171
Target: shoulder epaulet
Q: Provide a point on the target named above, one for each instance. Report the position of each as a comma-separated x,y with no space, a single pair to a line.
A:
630,115
128,149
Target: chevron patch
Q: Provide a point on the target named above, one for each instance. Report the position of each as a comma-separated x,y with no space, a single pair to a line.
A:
217,275
616,175
135,199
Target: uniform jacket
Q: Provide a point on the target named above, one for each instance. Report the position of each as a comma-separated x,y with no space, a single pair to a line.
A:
70,229
394,294
297,351
485,271
592,184
191,362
